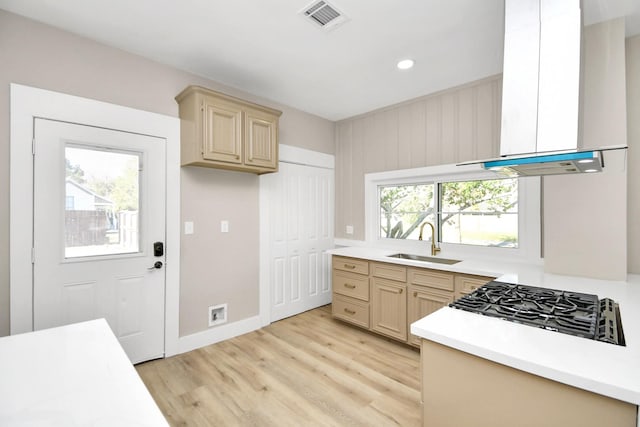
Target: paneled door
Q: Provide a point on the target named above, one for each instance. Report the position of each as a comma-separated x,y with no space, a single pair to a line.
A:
301,229
99,228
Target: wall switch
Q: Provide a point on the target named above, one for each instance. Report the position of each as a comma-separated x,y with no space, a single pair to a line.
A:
349,229
224,226
188,227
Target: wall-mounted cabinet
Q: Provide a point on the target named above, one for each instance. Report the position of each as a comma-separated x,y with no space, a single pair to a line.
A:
220,131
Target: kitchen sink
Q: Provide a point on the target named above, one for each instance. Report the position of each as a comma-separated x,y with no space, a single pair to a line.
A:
425,258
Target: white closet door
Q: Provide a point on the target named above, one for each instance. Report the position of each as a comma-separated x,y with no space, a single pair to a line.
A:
300,207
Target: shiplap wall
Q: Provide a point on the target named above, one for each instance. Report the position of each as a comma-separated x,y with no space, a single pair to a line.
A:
633,177
452,126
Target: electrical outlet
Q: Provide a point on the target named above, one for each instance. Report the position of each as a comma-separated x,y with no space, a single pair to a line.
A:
224,226
349,229
188,227
217,314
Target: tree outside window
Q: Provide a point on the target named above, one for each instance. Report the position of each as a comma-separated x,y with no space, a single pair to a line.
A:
481,212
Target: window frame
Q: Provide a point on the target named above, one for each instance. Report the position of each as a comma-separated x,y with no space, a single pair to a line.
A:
529,240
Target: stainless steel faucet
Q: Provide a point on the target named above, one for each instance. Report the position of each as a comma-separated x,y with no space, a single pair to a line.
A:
434,248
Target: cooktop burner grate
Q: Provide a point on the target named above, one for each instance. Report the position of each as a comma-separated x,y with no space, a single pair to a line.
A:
572,313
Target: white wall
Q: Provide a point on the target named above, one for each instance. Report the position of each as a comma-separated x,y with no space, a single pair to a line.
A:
37,55
455,125
633,135
585,217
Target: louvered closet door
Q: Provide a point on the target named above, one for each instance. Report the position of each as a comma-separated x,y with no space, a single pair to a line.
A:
301,229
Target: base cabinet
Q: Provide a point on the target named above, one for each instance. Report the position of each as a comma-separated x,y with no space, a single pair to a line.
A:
351,310
389,308
387,298
422,302
460,389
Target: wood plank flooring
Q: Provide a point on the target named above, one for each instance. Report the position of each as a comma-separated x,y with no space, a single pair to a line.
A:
307,370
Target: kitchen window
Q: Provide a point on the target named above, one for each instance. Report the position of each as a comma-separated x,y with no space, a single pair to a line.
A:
474,212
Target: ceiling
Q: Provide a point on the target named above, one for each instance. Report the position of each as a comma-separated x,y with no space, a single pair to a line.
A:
268,49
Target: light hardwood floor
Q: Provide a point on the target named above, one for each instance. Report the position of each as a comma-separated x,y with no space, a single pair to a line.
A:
307,370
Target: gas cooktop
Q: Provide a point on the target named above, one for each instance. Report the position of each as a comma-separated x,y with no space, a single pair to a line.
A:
573,313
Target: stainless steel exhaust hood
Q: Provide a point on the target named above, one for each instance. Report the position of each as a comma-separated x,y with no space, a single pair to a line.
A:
541,91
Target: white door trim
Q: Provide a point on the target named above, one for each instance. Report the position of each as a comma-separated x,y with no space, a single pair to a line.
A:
27,103
288,154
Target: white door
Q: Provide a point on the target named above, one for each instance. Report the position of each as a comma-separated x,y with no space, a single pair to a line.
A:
99,209
301,229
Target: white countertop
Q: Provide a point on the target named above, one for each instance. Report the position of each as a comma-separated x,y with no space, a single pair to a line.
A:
75,375
599,367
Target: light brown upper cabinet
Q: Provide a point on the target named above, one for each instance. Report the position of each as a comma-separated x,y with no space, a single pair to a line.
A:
220,131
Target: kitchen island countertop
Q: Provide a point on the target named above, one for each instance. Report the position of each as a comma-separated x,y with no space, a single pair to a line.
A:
75,375
600,367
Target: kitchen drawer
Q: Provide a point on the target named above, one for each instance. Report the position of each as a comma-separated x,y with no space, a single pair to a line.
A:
389,271
351,285
431,278
467,284
350,310
350,264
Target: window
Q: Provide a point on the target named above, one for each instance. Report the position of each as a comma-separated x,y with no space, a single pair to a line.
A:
403,208
476,212
69,203
103,186
482,212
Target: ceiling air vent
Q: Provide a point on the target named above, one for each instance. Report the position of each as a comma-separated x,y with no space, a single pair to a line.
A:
323,14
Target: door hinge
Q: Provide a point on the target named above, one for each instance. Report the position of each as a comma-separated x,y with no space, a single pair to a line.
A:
33,146
33,255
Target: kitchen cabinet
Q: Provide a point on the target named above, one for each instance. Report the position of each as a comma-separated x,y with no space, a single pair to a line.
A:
386,298
220,131
389,308
450,376
350,279
389,300
466,283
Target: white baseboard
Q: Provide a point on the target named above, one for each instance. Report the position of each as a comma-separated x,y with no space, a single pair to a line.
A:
217,334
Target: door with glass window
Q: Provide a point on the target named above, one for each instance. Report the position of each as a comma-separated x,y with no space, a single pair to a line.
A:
99,228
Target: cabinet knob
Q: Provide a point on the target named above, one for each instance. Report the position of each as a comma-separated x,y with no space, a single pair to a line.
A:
401,290
415,294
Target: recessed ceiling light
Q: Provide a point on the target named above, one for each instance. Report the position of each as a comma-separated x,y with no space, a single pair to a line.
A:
591,170
586,161
405,64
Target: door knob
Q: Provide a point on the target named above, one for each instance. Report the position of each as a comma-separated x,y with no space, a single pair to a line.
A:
157,264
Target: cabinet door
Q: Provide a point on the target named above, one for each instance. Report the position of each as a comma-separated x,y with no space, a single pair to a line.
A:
467,284
424,301
222,132
389,308
261,134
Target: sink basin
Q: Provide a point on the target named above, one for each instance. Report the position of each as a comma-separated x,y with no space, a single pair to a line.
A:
425,258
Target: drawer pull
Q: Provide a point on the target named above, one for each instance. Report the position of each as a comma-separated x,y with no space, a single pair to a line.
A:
349,285
346,310
350,266
473,288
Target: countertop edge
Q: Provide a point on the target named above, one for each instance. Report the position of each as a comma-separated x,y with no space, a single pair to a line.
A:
598,387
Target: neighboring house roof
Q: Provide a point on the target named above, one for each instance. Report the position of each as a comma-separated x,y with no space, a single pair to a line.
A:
98,199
